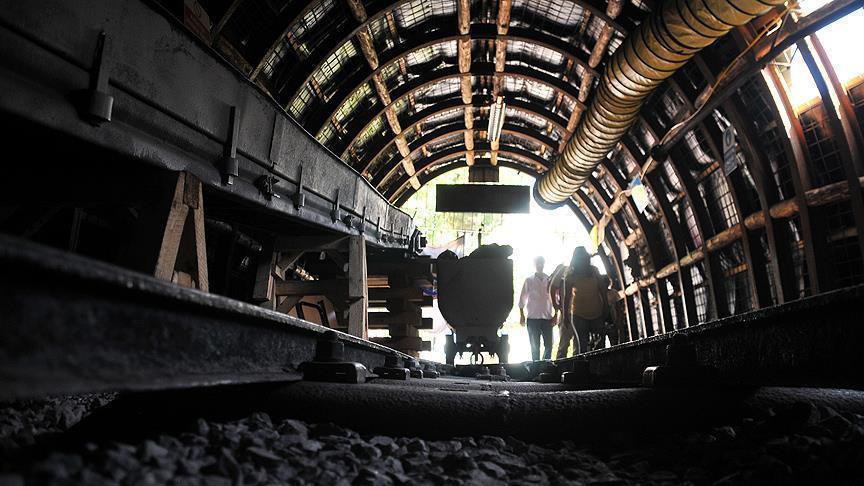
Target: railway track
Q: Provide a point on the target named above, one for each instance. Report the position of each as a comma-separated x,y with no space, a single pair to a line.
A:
75,325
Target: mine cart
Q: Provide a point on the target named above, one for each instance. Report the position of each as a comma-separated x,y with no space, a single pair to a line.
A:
475,296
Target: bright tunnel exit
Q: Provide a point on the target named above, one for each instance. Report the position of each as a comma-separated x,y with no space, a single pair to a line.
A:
550,233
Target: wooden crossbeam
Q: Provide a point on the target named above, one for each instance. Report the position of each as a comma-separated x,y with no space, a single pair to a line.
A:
503,23
336,288
364,38
357,10
402,146
463,16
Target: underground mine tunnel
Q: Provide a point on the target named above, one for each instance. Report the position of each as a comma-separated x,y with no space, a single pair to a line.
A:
431,242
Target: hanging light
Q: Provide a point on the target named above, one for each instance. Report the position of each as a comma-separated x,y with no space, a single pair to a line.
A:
496,119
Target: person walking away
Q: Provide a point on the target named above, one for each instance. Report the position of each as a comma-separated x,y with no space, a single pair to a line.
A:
584,296
616,326
540,317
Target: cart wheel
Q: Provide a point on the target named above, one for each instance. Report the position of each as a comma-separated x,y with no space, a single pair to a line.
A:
503,350
450,349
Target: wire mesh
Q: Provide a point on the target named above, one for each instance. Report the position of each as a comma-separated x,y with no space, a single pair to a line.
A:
825,165
411,14
799,261
560,18
700,291
848,268
340,64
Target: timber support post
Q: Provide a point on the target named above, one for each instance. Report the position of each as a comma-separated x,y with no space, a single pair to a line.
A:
170,242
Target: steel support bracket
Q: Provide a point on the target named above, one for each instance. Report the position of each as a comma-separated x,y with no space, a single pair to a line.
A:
299,196
682,368
266,184
493,373
391,369
98,104
413,368
362,227
549,373
579,375
334,213
328,364
230,166
429,371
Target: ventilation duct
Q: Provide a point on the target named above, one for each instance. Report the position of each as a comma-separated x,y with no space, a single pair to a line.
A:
651,53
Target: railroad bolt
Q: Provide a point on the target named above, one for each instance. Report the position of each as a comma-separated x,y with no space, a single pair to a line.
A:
329,363
413,368
681,352
579,374
391,368
549,373
329,348
429,371
682,367
391,360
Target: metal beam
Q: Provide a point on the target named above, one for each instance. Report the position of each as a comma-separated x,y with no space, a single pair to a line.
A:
713,137
450,130
795,150
216,31
593,5
456,103
398,54
362,122
456,152
172,337
766,49
152,125
844,125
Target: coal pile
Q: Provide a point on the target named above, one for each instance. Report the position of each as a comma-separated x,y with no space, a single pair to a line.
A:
799,443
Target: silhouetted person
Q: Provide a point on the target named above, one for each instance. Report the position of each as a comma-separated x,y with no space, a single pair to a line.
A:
616,324
540,317
584,303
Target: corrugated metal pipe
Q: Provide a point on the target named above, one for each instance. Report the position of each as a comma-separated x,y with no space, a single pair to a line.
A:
651,53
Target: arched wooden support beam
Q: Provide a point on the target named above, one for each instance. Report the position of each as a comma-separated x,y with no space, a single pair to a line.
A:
795,149
455,103
597,7
760,169
652,244
454,129
678,246
843,122
361,123
701,217
447,34
735,182
398,186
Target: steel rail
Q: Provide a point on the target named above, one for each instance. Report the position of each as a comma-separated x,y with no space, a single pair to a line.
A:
71,324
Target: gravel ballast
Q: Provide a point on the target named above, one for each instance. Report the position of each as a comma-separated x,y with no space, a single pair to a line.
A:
799,443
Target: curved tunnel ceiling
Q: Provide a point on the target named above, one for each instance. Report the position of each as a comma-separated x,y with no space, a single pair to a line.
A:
374,80
402,91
